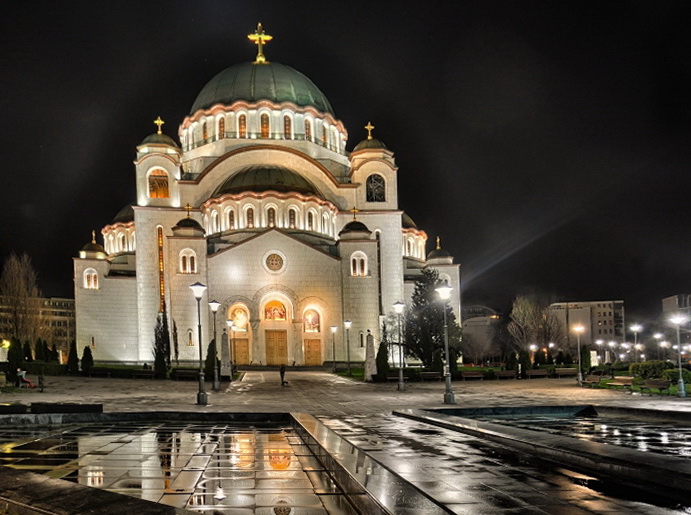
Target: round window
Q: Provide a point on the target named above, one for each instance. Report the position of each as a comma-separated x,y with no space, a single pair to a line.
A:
274,262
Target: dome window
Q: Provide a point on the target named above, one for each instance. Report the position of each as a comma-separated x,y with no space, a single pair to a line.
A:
291,219
325,135
188,262
271,217
205,132
213,224
310,221
264,125
376,188
231,219
242,126
221,128
308,130
250,218
287,127
90,279
158,184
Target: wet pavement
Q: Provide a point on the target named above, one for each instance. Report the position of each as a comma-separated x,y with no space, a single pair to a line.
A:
465,473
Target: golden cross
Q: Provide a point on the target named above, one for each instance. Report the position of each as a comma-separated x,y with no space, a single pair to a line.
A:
189,208
354,210
438,243
369,128
93,236
260,38
159,122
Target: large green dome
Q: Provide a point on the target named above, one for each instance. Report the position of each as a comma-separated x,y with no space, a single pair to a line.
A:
260,178
253,82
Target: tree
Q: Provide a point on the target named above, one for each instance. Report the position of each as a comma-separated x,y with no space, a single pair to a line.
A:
175,343
54,354
424,324
22,298
87,360
161,347
40,355
15,358
209,363
382,358
73,359
532,322
28,353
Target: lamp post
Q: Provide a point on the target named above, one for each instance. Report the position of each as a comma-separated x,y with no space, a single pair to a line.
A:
398,307
658,337
216,385
231,329
599,344
636,328
198,290
347,325
532,348
678,320
334,328
444,293
578,329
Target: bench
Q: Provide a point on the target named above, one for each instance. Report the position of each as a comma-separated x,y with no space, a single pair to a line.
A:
143,374
184,374
656,384
536,372
99,372
566,372
472,374
431,375
623,381
592,379
505,374
394,377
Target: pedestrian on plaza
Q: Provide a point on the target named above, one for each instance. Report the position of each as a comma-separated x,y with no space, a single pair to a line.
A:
282,371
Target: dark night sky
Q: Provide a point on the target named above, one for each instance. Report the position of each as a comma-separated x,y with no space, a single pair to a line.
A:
547,143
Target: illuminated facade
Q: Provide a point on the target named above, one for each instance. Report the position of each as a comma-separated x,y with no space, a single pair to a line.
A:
262,202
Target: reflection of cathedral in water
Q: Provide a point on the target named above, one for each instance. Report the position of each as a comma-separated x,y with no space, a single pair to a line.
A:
259,199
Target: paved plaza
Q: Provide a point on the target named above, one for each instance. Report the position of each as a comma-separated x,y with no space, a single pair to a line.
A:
464,473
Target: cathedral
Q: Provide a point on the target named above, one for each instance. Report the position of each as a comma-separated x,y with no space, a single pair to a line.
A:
300,243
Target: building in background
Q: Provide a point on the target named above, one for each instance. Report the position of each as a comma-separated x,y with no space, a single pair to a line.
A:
680,303
602,320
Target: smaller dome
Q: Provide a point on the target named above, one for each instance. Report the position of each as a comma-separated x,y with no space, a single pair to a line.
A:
125,215
438,253
159,139
372,143
260,178
408,222
440,256
354,229
93,247
188,223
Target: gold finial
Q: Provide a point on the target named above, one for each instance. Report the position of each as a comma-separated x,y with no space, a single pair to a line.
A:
159,122
93,236
354,210
189,208
438,243
260,38
369,128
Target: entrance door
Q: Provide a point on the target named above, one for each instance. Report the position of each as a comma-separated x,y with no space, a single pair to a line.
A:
313,352
241,351
276,347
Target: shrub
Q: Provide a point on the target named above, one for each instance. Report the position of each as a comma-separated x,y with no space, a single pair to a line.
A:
73,359
649,369
87,360
382,360
48,368
672,375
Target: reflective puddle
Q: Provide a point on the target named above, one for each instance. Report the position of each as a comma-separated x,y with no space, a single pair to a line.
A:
195,466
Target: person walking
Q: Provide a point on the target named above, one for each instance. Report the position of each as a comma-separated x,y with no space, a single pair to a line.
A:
282,371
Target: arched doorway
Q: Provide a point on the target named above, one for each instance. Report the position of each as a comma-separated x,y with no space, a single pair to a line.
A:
239,335
275,333
312,343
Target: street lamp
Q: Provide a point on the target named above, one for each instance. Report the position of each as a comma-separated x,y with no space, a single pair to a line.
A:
347,325
398,307
678,320
214,305
198,290
599,344
231,329
334,328
444,292
636,328
578,329
658,337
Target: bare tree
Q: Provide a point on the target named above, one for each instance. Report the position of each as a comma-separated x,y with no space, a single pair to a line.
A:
22,298
533,322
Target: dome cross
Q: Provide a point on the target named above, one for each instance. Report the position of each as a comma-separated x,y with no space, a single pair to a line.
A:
438,243
369,128
188,208
158,122
260,38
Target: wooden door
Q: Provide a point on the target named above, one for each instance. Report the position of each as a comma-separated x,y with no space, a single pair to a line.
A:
241,351
313,352
276,347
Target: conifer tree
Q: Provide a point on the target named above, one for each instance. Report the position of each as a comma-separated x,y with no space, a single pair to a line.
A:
28,353
209,363
382,358
87,360
73,359
15,358
161,347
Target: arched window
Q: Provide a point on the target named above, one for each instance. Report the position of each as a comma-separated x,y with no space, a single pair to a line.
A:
308,130
122,244
310,221
90,279
274,310
376,188
358,264
264,125
231,219
240,319
287,127
408,247
325,135
250,218
133,241
291,218
205,132
158,184
188,261
221,128
325,223
242,126
271,216
213,224
311,321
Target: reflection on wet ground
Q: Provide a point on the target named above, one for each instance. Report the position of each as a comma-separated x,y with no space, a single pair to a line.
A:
214,468
669,439
473,476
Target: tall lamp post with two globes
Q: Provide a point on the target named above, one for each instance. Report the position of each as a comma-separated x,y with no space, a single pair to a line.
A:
334,328
398,307
444,292
578,329
347,325
636,328
231,336
679,320
214,305
198,290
